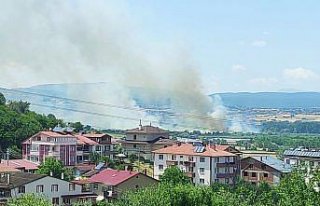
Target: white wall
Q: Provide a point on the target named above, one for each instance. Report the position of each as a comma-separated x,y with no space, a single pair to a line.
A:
63,188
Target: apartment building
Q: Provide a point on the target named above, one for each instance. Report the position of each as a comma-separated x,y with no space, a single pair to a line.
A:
64,145
204,164
263,169
145,139
57,191
302,157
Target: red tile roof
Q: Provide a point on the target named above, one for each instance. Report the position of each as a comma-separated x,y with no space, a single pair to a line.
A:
112,177
188,149
8,169
49,134
84,140
20,164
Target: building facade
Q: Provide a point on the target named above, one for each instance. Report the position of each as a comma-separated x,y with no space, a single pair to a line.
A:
57,191
263,169
203,164
302,157
144,139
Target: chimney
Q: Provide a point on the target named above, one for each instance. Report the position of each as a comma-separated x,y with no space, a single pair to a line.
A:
140,125
62,176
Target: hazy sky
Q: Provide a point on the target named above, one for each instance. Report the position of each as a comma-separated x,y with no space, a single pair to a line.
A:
237,45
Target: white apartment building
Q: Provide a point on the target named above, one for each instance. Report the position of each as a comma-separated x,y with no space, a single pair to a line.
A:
203,164
57,191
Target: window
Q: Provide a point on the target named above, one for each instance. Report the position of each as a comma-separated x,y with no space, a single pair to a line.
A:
202,171
245,174
22,189
251,166
98,148
227,170
95,186
54,188
72,148
160,167
135,137
137,186
263,166
216,180
227,180
217,159
202,159
253,174
181,157
66,201
39,188
55,201
265,174
201,181
134,146
160,157
174,157
72,187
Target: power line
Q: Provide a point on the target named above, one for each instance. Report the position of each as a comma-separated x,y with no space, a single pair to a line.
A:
173,114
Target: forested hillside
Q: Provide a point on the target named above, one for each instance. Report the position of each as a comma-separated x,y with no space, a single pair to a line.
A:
17,123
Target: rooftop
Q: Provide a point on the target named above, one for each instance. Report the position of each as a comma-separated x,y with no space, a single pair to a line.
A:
275,163
17,179
148,130
189,149
19,164
302,153
112,177
84,140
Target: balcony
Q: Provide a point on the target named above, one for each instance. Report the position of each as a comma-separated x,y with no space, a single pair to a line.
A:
225,164
172,162
226,175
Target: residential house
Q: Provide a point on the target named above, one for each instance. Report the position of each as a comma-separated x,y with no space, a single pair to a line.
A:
111,183
144,139
57,191
302,157
64,145
263,169
204,164
22,165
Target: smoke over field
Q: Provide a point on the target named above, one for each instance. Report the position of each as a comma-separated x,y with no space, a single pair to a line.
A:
99,41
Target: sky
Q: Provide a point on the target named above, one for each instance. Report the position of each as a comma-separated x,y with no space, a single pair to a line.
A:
249,45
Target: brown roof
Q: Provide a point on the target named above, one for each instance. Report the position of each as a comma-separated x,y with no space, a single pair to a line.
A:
49,134
188,149
20,164
17,179
8,169
96,135
147,130
84,140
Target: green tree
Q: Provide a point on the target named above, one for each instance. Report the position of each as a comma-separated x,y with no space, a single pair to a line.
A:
2,99
29,200
173,175
19,106
77,126
54,167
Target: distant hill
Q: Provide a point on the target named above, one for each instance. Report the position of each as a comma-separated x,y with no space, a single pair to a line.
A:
271,99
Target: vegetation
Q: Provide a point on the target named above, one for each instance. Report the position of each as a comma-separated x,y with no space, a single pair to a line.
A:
173,175
291,191
55,167
291,127
29,200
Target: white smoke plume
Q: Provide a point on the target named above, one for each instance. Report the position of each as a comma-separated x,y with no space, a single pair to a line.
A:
66,41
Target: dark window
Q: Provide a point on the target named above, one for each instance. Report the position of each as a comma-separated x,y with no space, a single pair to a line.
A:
253,174
134,146
137,186
251,166
202,159
202,181
263,166
245,174
160,157
160,167
95,186
22,189
54,188
55,201
39,188
135,137
265,174
72,187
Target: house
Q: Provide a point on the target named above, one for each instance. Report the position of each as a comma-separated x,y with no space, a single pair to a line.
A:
22,165
204,164
144,139
63,144
302,157
57,191
111,183
263,169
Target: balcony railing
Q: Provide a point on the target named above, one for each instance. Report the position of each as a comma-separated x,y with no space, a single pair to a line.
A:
225,175
172,162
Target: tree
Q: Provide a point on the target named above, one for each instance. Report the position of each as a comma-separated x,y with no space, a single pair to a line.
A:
29,200
54,167
19,107
77,126
2,99
173,175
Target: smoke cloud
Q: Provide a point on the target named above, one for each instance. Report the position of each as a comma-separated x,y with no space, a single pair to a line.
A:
99,41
